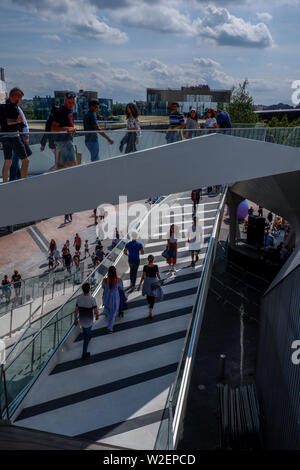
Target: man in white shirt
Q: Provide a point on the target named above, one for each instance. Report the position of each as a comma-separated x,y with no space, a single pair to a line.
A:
195,239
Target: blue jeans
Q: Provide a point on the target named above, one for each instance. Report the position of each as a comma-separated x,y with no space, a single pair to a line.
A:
94,150
134,266
67,151
14,171
86,339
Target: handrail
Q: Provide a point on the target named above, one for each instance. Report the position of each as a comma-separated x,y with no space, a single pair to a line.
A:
82,132
192,331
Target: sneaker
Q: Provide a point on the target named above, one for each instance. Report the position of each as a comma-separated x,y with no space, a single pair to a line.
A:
86,355
192,264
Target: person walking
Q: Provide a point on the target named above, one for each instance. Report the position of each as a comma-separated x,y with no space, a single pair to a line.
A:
150,274
63,122
51,261
15,171
90,124
77,242
196,195
11,122
67,260
133,249
131,138
86,309
6,288
195,238
86,249
16,280
56,257
47,137
112,284
192,124
172,247
176,121
260,211
52,246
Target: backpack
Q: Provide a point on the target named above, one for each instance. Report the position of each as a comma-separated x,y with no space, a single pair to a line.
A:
50,119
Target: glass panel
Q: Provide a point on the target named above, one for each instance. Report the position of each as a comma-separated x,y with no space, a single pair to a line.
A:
80,148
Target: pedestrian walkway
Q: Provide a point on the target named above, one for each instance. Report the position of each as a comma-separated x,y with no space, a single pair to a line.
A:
119,394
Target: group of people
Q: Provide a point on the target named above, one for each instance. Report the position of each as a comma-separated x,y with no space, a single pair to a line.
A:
54,256
114,294
60,131
179,129
7,284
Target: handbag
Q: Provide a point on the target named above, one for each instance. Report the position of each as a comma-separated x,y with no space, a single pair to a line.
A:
165,253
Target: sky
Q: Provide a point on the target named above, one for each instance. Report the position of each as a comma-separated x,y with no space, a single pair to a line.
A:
121,47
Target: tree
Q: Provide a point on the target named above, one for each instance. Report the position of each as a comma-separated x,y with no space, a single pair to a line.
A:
241,108
118,109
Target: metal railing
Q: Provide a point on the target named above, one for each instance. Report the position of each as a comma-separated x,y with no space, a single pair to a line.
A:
17,317
170,427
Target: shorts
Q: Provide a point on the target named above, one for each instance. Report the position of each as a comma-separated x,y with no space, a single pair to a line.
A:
13,144
77,247
67,151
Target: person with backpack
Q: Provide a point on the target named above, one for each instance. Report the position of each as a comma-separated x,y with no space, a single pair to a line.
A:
50,139
11,122
64,128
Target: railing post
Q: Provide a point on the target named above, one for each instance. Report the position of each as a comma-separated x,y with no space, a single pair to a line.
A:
43,296
30,312
2,377
10,322
64,285
53,283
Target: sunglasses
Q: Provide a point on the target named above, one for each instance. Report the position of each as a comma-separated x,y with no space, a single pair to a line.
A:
71,95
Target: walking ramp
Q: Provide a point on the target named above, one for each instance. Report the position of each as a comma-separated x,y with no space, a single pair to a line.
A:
225,156
121,395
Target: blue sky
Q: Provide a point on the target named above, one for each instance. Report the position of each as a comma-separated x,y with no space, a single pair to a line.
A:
121,47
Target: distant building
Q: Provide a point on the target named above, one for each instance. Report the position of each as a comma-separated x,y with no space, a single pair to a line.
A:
105,107
200,97
42,105
2,86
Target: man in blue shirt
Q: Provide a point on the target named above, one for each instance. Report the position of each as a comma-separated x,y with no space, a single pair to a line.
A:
132,250
223,119
90,124
176,122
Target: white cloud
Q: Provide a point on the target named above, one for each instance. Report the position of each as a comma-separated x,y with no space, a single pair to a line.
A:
80,62
161,17
79,18
264,16
226,29
205,62
54,37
